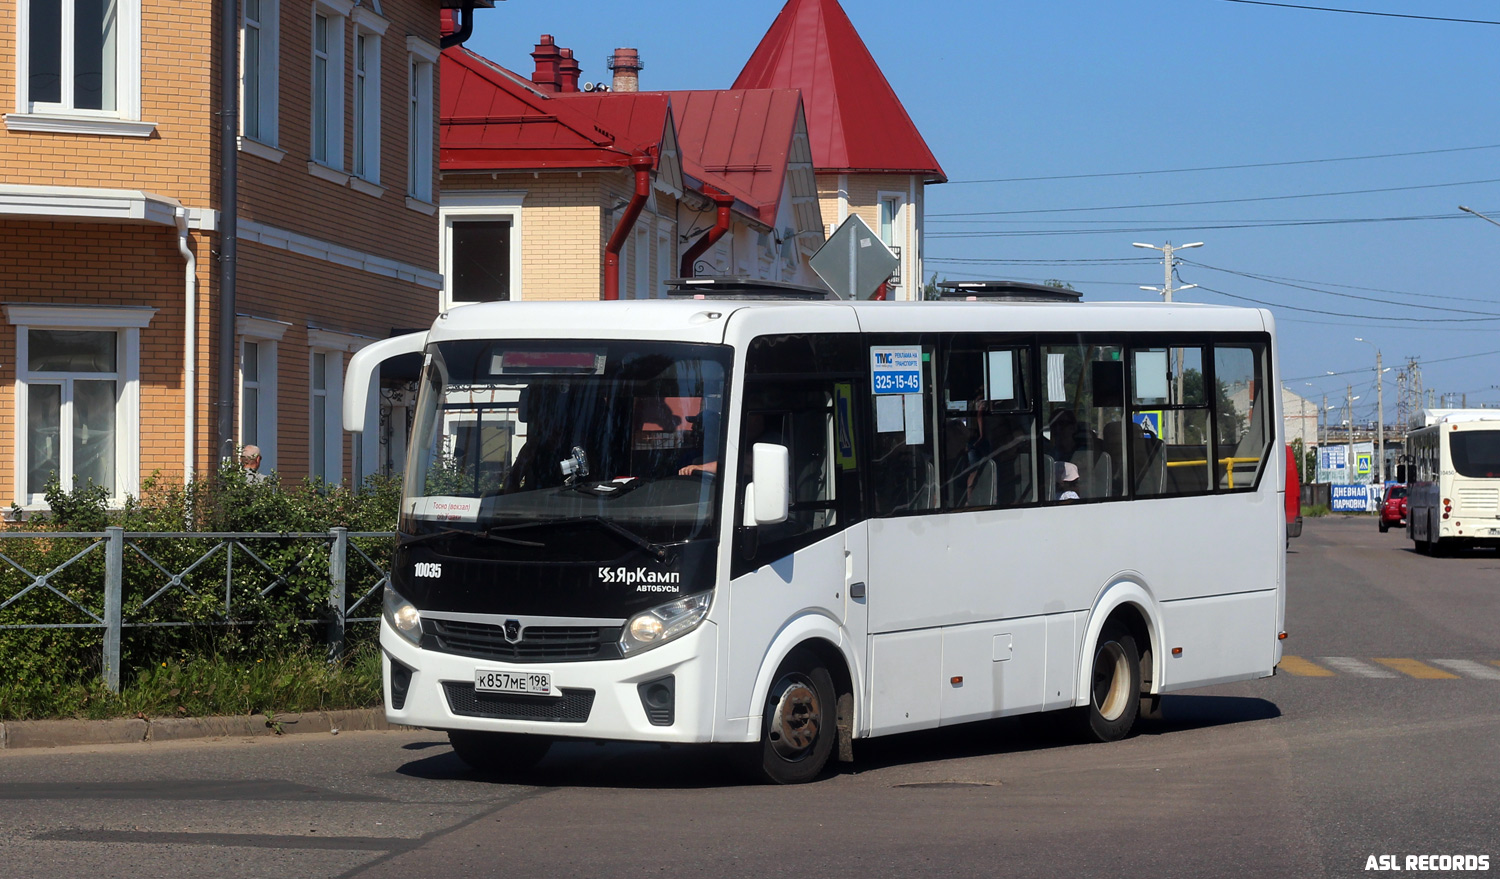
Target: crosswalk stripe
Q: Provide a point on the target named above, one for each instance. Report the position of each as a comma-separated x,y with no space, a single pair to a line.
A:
1415,668
1296,665
1350,665
1470,669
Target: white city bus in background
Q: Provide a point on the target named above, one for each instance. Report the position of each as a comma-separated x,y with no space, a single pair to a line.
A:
791,524
1453,482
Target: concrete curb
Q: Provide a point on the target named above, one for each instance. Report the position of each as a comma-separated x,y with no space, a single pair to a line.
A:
19,734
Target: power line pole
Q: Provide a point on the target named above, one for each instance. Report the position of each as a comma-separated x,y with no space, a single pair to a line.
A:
1169,264
1379,408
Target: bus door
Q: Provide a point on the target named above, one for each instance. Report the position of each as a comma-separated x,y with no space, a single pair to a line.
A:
815,562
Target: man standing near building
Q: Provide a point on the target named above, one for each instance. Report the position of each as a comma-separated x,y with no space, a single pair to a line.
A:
250,460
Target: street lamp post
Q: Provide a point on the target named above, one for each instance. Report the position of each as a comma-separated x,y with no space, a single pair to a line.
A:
1379,408
1169,262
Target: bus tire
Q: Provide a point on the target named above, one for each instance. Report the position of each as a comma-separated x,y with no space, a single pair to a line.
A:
1384,527
799,725
499,754
1114,685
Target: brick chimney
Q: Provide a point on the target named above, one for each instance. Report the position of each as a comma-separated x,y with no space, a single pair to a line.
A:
626,63
568,71
548,61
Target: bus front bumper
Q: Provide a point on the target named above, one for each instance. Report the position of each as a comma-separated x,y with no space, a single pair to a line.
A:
598,700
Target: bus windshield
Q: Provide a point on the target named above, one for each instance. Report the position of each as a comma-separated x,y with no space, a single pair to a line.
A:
511,438
1476,453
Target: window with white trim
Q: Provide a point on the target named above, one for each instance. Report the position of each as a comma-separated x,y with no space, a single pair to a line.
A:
421,58
893,230
328,83
642,238
258,399
77,399
481,247
78,56
368,30
260,39
325,435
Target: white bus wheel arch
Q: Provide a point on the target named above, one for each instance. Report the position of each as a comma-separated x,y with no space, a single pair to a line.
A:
1135,609
822,637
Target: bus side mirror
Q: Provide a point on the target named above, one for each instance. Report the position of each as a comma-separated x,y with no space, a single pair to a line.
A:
768,498
362,367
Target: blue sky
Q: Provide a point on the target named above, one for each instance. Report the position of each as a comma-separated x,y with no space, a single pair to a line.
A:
1049,88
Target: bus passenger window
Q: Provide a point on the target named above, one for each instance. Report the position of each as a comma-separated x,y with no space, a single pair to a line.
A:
1241,413
988,428
1083,396
903,466
1169,421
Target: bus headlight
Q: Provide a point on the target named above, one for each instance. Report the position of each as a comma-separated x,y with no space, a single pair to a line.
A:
661,624
403,616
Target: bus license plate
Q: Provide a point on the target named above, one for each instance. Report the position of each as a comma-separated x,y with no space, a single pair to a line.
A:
530,683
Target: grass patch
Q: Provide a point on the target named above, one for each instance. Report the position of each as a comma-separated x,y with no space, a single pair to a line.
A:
206,686
1316,511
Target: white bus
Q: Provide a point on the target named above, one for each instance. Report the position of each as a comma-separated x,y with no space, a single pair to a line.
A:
1453,489
789,525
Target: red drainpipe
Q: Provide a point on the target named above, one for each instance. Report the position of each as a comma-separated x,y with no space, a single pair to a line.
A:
641,165
724,201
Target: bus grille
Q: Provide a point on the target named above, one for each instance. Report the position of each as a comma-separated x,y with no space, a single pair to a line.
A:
573,706
1478,501
537,644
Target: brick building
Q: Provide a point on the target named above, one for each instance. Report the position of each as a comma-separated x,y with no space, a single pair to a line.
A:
110,215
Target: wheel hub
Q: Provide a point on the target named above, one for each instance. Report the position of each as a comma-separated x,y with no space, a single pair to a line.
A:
1111,680
796,720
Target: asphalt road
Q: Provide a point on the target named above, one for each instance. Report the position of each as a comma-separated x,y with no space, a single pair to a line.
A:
1385,741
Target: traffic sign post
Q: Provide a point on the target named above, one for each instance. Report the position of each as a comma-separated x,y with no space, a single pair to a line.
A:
854,262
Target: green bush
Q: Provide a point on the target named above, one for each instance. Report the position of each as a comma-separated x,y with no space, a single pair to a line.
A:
1316,511
241,617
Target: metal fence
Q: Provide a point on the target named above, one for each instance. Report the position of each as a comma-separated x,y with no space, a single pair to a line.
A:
152,579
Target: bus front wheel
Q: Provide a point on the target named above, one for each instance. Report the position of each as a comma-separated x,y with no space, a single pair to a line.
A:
1115,685
501,754
799,724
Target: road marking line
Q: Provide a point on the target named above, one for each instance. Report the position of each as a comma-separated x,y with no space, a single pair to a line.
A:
1417,669
1296,665
1350,665
1469,669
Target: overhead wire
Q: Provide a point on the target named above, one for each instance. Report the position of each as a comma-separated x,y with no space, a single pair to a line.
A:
1363,12
1223,167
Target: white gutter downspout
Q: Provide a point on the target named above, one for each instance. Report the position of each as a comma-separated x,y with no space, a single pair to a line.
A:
189,349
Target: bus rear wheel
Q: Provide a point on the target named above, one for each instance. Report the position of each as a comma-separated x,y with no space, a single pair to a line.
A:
500,754
1114,685
799,725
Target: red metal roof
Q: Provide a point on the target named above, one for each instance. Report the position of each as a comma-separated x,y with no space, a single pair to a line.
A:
855,121
494,120
740,140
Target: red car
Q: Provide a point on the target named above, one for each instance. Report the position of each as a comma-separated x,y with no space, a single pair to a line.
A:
1393,507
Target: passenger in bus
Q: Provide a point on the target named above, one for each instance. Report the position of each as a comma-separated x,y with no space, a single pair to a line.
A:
972,477
1067,481
544,410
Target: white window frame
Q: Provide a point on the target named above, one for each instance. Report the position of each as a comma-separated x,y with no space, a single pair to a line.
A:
478,206
421,62
642,239
369,28
62,118
664,267
266,334
898,232
128,322
265,68
333,346
331,101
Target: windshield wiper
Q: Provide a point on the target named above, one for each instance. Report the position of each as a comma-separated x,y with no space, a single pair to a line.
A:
456,532
655,549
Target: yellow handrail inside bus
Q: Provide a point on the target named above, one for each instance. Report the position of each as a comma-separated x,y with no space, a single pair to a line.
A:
1229,471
